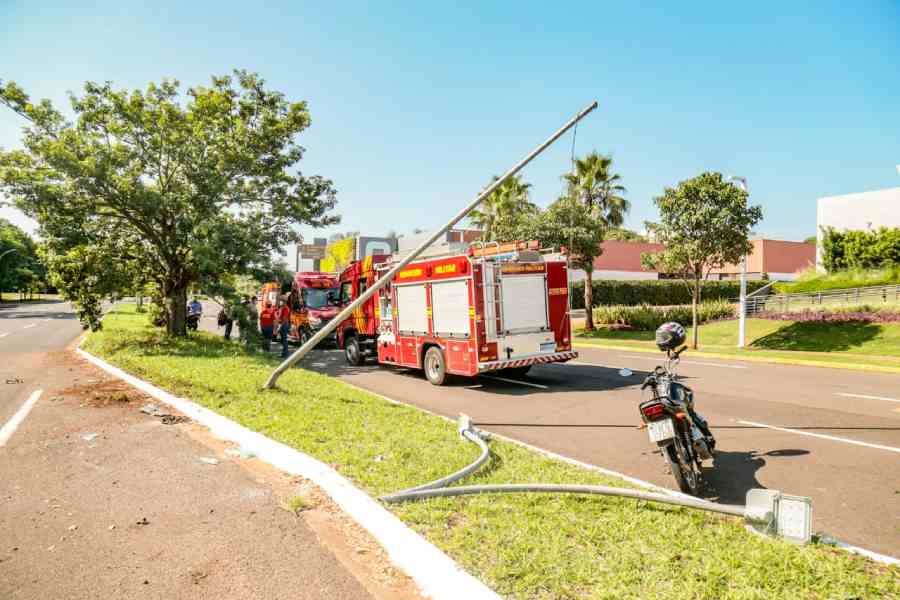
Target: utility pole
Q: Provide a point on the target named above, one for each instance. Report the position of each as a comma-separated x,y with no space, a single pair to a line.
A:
742,317
389,276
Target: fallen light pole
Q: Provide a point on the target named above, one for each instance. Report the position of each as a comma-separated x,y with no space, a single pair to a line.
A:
768,512
387,277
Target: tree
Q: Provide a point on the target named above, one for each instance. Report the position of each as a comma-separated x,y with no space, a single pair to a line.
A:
593,183
21,269
705,223
625,235
500,212
176,190
336,237
811,240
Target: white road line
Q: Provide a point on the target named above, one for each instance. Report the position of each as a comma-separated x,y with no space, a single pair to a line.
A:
30,326
822,436
16,420
528,383
866,397
685,362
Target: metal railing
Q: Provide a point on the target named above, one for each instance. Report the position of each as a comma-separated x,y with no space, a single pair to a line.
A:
881,294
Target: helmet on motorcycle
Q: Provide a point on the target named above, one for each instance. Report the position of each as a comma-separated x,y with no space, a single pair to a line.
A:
670,336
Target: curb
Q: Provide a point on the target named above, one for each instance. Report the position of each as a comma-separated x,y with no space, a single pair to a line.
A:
436,574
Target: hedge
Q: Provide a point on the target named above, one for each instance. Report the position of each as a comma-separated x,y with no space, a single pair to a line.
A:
648,318
811,281
656,292
860,249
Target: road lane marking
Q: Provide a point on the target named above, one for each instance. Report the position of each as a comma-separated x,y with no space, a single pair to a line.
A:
685,362
16,420
3,335
867,397
528,383
822,436
30,326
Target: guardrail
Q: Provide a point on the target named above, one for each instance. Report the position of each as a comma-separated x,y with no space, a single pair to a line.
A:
880,294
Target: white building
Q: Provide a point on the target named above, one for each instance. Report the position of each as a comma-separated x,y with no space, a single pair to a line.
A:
857,212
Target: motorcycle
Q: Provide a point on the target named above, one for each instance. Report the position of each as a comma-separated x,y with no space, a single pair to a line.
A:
682,435
193,319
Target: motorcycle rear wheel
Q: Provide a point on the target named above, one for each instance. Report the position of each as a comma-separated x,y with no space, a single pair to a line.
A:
687,478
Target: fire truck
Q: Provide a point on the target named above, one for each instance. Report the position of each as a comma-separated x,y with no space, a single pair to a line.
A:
313,301
499,308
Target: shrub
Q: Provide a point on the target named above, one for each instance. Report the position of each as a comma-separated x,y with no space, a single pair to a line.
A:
833,316
860,249
811,281
662,292
648,318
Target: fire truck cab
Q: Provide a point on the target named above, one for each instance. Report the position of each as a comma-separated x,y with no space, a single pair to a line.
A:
313,301
501,308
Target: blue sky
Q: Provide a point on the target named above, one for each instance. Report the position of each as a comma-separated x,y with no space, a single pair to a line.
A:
415,107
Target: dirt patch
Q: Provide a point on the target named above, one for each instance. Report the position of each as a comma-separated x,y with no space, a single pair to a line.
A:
352,545
100,392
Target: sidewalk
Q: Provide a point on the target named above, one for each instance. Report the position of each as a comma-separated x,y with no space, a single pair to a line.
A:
103,501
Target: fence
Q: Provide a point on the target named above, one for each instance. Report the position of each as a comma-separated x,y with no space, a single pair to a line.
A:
882,294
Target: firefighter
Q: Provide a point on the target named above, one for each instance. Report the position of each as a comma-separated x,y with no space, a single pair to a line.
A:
284,324
267,325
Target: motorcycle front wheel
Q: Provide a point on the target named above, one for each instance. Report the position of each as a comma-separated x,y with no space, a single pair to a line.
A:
687,478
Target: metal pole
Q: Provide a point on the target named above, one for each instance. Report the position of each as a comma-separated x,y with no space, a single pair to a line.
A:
742,317
387,277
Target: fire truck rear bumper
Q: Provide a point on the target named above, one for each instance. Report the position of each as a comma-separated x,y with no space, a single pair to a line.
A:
536,359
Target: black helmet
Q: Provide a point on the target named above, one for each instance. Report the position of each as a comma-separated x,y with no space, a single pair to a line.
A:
670,336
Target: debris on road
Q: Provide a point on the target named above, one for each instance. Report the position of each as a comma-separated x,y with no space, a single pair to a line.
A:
208,460
143,521
167,419
89,437
152,410
14,381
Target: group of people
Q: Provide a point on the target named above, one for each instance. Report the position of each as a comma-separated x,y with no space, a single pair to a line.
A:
274,319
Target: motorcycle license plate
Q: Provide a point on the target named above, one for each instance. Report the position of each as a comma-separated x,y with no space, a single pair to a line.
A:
661,430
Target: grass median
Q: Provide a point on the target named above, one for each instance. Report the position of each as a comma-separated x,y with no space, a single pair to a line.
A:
523,546
847,345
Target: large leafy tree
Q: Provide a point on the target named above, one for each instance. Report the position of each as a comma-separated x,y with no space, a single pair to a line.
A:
175,189
705,223
20,267
593,183
501,212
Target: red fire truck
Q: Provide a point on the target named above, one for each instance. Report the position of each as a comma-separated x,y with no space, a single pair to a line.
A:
313,301
500,308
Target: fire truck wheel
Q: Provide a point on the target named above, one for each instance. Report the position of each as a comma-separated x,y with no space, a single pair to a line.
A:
435,367
354,352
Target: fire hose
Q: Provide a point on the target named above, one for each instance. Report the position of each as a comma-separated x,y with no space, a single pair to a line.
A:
761,511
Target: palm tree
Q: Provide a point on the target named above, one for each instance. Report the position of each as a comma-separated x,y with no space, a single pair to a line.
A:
593,181
507,201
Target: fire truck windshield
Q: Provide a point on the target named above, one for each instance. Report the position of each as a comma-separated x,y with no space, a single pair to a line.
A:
318,298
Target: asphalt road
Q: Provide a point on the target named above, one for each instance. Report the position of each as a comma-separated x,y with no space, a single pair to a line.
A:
99,500
838,442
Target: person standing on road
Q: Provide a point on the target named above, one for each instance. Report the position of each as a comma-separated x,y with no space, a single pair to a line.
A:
225,318
267,325
284,325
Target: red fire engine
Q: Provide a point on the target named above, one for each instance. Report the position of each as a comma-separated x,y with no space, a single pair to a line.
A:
498,308
313,302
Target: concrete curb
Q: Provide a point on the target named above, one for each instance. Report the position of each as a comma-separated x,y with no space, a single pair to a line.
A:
436,574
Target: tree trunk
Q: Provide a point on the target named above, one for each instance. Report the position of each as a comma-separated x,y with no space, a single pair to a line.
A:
176,310
695,300
589,300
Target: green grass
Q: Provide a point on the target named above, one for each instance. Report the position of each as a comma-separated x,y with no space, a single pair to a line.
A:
812,281
866,346
523,546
